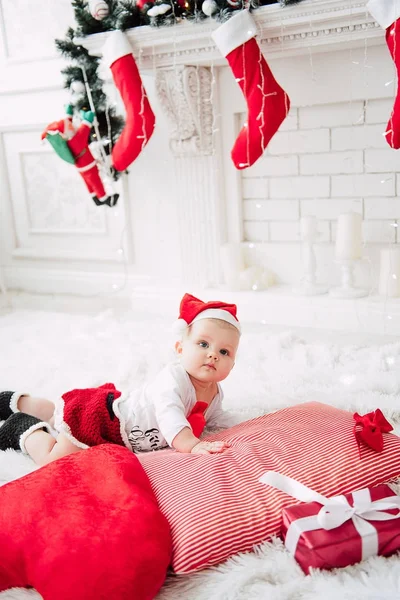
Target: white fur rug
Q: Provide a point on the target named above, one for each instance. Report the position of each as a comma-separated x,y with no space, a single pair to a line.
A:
49,353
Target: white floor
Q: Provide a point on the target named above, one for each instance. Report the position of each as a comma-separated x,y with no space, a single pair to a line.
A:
52,344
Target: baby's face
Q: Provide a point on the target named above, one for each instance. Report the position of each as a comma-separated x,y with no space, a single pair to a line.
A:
208,352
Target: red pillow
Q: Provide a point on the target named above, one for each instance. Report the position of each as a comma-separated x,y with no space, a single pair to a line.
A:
215,504
84,527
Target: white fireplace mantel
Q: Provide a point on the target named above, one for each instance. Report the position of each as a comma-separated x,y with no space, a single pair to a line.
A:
312,25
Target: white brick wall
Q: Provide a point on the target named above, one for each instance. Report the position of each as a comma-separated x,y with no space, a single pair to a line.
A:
328,163
330,208
382,208
299,187
358,137
363,185
376,109
328,115
300,142
268,210
325,160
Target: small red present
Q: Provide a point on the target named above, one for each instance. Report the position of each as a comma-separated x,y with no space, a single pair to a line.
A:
327,533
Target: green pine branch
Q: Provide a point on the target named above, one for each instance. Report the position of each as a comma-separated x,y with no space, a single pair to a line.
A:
109,123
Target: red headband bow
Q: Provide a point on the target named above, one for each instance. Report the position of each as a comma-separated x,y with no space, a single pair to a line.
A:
191,307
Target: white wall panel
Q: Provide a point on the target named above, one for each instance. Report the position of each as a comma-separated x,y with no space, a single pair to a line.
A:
53,214
29,28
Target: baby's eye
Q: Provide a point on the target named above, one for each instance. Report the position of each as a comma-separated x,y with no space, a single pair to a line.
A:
203,344
224,352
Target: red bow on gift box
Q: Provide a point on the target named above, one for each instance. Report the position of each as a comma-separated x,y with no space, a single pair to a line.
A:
369,429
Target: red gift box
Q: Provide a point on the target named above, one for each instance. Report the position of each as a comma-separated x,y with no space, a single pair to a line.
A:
340,531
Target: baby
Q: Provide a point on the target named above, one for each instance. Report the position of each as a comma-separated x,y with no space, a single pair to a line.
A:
170,411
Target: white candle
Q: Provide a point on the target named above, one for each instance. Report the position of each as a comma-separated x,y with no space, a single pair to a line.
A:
308,228
349,237
232,262
389,275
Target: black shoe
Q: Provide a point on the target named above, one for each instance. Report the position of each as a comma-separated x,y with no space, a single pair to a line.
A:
15,430
112,200
109,201
8,399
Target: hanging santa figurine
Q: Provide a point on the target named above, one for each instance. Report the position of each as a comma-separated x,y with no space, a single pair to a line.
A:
71,144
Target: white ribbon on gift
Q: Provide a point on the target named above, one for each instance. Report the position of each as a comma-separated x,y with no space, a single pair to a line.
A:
334,512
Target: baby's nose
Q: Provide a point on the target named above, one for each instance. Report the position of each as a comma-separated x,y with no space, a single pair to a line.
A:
212,354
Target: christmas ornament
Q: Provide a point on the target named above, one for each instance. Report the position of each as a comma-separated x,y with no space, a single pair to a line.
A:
98,9
158,9
71,144
140,120
140,3
209,7
267,102
387,14
77,87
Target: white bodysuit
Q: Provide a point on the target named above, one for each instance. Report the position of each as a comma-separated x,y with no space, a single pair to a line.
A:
153,415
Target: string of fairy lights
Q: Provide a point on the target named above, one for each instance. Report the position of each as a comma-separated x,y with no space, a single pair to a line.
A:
367,71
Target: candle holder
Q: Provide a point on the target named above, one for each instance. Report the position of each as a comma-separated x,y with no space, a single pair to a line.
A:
347,289
308,283
389,273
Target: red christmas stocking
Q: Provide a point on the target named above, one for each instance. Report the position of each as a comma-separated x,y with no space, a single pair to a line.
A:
140,119
267,103
387,13
197,419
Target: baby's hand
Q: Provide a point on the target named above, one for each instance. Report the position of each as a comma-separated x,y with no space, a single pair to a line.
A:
209,447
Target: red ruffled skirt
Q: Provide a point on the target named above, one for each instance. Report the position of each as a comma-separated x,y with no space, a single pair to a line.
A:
86,416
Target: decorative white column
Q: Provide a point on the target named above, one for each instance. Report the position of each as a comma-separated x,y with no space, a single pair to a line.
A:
186,96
